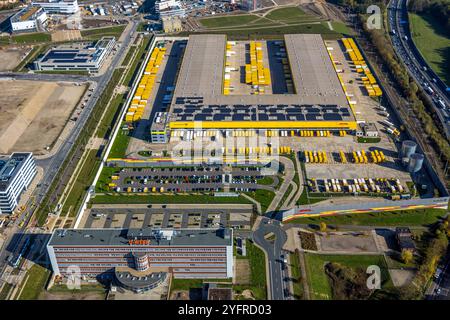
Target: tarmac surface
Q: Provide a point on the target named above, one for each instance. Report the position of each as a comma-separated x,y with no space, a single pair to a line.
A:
273,249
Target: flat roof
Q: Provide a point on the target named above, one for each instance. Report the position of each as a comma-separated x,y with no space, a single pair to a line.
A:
130,279
10,166
76,53
202,68
157,237
312,71
27,13
198,92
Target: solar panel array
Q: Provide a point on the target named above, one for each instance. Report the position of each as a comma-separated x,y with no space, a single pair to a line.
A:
189,109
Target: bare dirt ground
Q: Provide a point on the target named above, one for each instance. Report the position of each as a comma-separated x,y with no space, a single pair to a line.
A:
72,296
11,56
33,114
348,242
99,23
179,295
242,271
401,277
66,35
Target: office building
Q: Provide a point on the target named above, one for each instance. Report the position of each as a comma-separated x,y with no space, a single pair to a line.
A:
29,19
16,173
185,253
77,56
58,6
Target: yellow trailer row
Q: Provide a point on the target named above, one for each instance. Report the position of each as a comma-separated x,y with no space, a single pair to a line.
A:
145,86
258,150
377,156
341,81
317,133
369,80
226,80
360,157
315,156
243,133
272,133
255,72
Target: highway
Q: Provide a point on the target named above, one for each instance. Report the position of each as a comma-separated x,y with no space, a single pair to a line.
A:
440,287
51,165
277,268
424,76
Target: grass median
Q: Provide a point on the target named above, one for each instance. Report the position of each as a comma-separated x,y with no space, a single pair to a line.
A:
422,217
166,199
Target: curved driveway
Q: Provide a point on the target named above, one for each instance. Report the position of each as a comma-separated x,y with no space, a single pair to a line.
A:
273,250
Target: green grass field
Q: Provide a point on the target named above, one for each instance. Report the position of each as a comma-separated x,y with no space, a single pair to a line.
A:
295,274
432,42
120,145
305,200
84,179
95,34
264,197
32,38
167,198
290,14
257,273
265,181
278,22
228,21
38,277
421,217
318,280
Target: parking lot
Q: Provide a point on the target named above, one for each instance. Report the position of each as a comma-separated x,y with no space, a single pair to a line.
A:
168,216
187,179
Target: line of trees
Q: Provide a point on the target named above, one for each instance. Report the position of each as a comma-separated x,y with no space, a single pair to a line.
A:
438,9
434,250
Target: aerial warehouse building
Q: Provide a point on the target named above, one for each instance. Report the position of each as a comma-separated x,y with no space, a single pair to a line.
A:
318,102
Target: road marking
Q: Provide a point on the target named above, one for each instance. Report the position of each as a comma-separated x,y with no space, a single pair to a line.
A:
330,25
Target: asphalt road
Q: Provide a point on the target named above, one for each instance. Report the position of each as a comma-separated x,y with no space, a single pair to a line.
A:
440,288
52,164
415,63
46,77
277,273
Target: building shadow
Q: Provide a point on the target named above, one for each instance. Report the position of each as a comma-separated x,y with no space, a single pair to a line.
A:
28,246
